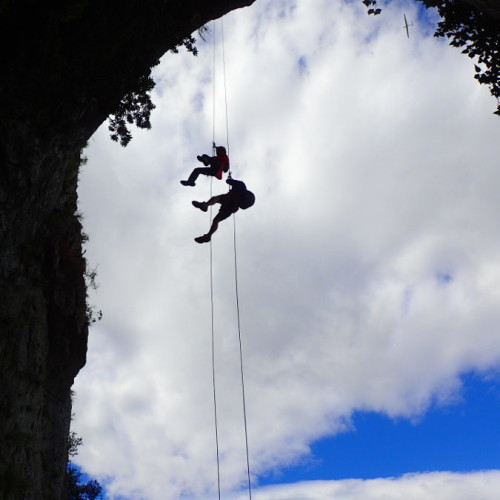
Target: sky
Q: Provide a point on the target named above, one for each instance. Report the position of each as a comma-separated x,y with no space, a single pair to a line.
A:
367,269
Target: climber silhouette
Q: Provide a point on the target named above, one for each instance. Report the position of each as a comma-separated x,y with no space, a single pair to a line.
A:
214,166
238,197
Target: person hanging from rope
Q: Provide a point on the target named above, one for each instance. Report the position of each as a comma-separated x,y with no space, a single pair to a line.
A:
238,197
214,166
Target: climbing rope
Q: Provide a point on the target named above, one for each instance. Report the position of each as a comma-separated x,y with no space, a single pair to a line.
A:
212,284
213,95
241,357
235,279
213,355
225,87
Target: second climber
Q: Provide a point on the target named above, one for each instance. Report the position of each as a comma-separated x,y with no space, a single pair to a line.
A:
238,197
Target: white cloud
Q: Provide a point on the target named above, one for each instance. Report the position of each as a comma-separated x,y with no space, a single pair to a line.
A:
437,485
375,171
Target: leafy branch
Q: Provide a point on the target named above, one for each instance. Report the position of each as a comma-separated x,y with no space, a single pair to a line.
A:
471,29
136,106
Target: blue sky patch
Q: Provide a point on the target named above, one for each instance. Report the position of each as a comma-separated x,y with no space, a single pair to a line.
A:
459,437
444,277
302,65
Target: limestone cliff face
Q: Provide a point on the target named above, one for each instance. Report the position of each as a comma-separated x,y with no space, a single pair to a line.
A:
42,345
65,66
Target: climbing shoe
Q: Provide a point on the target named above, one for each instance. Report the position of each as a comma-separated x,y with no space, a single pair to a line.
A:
188,183
201,205
205,159
202,239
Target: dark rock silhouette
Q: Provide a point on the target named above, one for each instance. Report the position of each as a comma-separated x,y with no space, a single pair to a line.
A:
65,67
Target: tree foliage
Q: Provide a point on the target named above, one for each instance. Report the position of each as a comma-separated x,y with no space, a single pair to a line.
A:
479,36
76,486
74,441
136,106
78,489
471,29
370,4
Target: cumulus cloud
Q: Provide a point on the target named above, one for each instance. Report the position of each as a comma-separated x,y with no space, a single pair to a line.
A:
437,485
367,268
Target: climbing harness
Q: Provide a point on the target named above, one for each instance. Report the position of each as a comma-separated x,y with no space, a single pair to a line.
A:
235,279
